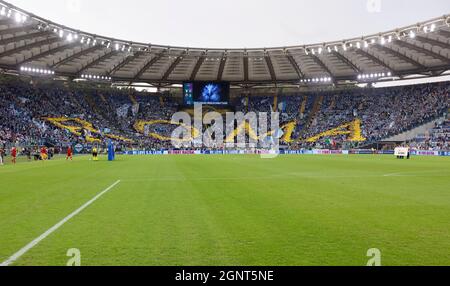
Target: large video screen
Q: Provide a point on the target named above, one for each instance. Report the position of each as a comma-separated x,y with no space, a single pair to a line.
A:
211,93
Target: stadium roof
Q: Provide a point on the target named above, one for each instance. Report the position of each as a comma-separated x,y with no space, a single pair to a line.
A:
32,45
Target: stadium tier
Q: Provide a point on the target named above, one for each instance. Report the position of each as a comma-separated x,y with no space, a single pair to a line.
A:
32,45
56,115
314,86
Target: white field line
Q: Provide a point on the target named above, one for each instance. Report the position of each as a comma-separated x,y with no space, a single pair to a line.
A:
287,176
418,173
32,244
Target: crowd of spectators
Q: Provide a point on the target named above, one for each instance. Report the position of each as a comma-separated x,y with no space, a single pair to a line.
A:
383,112
437,139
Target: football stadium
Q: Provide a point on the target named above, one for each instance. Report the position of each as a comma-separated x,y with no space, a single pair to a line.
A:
123,153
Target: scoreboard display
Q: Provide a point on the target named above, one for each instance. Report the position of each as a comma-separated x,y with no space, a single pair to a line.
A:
209,93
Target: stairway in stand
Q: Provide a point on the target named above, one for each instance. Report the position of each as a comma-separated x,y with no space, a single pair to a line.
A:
316,108
132,99
74,99
102,97
303,106
91,103
275,103
333,103
94,106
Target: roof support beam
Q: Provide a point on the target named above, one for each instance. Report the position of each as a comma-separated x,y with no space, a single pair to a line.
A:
199,63
423,51
124,62
433,42
347,61
321,64
149,64
23,37
269,63
223,61
245,59
374,59
97,61
401,56
295,65
20,49
173,66
46,53
20,29
75,56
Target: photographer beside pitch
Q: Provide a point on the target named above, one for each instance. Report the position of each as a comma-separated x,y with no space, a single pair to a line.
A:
2,153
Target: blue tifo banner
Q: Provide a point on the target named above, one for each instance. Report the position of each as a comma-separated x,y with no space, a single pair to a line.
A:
281,152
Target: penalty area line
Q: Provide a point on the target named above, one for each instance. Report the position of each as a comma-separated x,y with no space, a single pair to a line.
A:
35,242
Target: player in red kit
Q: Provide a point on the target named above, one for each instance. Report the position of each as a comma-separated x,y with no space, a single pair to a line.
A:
14,154
44,153
69,153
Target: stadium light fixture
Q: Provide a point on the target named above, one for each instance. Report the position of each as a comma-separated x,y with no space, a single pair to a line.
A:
432,27
96,77
3,11
36,70
412,35
372,76
18,17
322,80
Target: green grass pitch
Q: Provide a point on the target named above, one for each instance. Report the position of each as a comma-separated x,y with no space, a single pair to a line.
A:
229,210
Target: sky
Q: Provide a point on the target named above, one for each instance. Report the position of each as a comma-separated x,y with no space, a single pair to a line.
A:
235,23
